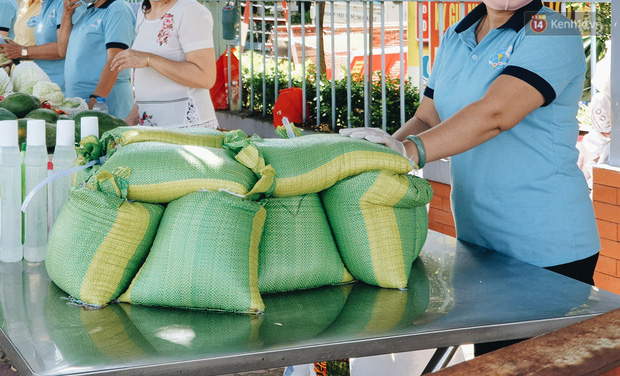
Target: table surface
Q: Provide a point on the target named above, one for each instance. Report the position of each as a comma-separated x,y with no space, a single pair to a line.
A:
458,293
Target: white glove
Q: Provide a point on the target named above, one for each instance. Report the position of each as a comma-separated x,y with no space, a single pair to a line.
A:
377,136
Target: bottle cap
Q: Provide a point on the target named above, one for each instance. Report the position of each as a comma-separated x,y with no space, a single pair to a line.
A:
8,132
35,132
100,99
89,126
65,132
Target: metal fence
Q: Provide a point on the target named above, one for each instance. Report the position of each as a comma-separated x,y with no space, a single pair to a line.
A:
283,43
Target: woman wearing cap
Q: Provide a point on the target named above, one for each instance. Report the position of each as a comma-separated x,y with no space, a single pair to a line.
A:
502,101
174,58
105,28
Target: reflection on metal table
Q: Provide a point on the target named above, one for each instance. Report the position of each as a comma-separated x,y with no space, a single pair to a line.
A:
458,293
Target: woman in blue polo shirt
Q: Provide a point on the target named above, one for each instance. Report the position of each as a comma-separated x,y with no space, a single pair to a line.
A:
8,12
45,51
502,101
105,28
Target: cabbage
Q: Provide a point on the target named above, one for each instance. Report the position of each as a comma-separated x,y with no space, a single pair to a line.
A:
73,106
6,86
26,75
4,60
48,91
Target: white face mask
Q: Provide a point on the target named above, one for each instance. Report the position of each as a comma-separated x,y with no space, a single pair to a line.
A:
505,4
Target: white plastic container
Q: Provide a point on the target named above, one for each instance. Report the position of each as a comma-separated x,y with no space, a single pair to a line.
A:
35,216
64,158
10,190
89,125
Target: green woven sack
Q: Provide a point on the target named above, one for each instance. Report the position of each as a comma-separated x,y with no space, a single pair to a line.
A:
380,224
92,336
100,240
297,250
371,309
164,172
310,164
122,136
205,255
315,308
187,332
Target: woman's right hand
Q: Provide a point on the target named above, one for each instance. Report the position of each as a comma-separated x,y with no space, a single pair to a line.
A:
70,6
130,59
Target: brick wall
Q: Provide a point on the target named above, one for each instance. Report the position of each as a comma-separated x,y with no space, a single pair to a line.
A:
440,217
606,197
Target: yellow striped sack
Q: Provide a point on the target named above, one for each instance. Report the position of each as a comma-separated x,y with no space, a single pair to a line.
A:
100,240
379,221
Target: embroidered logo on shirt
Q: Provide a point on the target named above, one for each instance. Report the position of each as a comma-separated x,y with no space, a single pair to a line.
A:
32,21
166,28
500,57
95,24
538,23
52,14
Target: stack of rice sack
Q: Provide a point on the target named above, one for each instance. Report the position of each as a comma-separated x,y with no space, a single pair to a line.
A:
211,220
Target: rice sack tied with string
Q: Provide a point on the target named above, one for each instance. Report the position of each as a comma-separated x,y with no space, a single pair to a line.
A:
310,164
205,255
121,136
100,240
297,250
380,223
163,172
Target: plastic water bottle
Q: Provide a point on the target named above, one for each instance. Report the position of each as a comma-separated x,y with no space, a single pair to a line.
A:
64,158
35,217
10,190
100,105
89,125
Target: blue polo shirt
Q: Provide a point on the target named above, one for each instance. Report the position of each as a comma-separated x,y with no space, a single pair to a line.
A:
46,32
8,13
520,193
112,25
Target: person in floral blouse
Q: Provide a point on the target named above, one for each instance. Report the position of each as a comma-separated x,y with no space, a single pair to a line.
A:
174,60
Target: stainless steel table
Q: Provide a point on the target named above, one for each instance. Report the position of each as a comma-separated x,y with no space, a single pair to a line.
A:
457,294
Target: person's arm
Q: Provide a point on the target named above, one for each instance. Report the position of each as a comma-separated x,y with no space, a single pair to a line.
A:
48,51
507,101
134,117
424,119
198,71
66,26
107,78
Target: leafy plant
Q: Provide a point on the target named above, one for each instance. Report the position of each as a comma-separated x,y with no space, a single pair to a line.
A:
340,111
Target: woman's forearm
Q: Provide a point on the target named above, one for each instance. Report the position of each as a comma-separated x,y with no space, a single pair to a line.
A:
64,32
107,79
192,73
48,51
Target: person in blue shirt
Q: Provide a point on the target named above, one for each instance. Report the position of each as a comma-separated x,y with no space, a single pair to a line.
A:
105,28
45,52
502,101
8,12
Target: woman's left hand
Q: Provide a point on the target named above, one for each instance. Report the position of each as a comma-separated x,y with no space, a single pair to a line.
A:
11,50
129,59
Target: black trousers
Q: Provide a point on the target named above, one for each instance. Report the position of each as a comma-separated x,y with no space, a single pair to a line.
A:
581,270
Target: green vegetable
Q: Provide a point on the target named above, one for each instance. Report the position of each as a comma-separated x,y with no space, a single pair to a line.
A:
106,122
48,91
6,86
20,104
26,75
50,116
6,114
